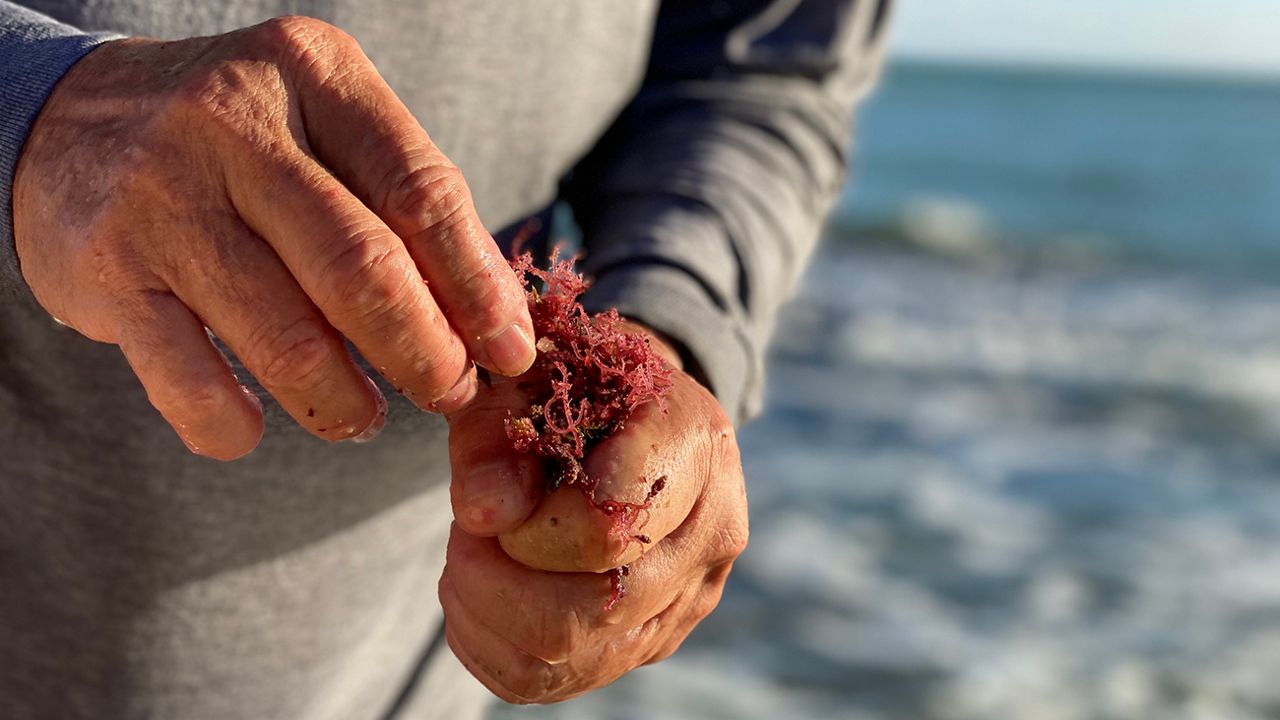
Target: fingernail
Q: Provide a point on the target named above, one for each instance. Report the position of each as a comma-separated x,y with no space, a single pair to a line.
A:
379,418
510,351
253,397
195,449
458,397
491,494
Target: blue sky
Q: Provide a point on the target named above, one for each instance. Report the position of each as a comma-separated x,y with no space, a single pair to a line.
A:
1198,35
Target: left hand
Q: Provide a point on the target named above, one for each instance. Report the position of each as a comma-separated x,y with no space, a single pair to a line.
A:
533,636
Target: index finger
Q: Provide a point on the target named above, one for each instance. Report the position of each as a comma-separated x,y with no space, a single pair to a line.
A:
361,130
551,616
356,271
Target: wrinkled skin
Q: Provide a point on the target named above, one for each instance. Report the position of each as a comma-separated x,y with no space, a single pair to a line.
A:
533,636
268,185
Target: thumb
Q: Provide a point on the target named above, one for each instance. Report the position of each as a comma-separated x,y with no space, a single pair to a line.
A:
493,487
650,473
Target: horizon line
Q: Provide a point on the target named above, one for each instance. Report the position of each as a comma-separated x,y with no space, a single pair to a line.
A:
1084,66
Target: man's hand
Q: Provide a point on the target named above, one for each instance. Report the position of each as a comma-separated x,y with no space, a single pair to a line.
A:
533,636
267,185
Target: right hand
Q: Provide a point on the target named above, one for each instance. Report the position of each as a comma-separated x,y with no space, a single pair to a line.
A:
266,184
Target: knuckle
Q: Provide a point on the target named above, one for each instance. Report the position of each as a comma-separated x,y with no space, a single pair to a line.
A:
487,304
292,357
202,398
368,280
438,366
721,428
378,292
292,32
663,653
188,401
558,639
534,682
732,539
430,199
723,440
549,632
310,45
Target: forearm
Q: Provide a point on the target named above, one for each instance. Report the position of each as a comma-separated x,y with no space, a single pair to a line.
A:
35,52
701,205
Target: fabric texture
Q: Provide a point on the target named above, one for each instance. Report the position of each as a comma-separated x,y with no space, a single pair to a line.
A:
699,145
35,51
723,167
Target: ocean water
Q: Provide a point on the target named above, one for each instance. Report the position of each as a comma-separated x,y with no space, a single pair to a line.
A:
1021,457
1106,168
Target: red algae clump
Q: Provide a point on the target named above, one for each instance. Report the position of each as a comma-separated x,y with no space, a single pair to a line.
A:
588,378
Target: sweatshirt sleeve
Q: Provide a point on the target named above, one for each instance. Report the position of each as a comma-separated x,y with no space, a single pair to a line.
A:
701,205
35,51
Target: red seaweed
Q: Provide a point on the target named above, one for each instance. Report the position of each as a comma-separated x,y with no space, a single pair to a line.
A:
616,587
589,377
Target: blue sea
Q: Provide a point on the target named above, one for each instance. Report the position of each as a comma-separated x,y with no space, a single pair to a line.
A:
1021,456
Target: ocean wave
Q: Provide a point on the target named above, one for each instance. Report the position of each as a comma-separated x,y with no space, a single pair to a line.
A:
1180,333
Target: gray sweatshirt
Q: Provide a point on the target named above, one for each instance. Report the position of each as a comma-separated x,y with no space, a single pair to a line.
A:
699,145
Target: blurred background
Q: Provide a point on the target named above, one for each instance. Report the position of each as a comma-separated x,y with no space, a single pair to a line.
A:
1021,457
